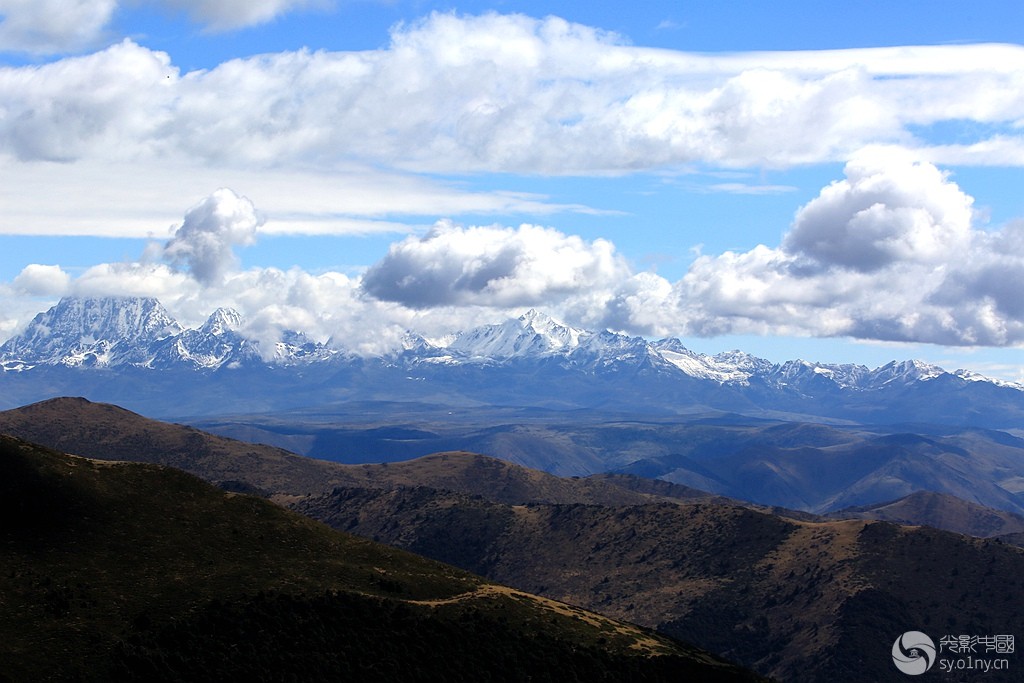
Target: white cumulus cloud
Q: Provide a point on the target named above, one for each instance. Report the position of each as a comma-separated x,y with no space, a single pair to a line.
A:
42,280
515,94
492,266
890,252
111,103
205,242
885,211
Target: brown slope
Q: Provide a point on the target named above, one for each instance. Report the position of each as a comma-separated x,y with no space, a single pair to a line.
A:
125,571
942,511
785,597
455,470
662,490
495,480
105,431
108,432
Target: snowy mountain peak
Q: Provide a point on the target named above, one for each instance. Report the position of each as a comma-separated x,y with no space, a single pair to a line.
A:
733,367
969,376
296,348
92,331
111,318
741,360
801,373
535,320
221,321
906,371
139,332
532,333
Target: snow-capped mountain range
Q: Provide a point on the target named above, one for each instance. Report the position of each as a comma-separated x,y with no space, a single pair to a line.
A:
140,332
519,359
92,332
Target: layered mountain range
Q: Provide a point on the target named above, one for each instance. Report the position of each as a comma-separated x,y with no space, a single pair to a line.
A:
134,572
137,565
791,594
531,361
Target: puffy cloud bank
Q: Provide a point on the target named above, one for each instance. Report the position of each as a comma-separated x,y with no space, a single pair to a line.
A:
885,212
39,280
355,142
515,94
492,266
890,252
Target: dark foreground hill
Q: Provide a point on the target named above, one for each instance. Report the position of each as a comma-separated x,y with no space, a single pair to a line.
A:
124,571
109,432
104,431
819,466
799,600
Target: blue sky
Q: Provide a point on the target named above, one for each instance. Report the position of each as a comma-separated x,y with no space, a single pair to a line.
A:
838,183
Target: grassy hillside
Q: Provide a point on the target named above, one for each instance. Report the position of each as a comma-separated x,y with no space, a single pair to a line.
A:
108,432
781,591
787,597
123,571
103,431
941,511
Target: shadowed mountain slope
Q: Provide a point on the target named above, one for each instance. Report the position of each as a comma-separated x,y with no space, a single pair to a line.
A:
125,571
941,511
798,466
785,597
986,468
108,432
104,431
780,594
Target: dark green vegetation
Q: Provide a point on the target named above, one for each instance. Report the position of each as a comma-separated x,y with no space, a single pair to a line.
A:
107,432
795,466
799,600
125,571
794,595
